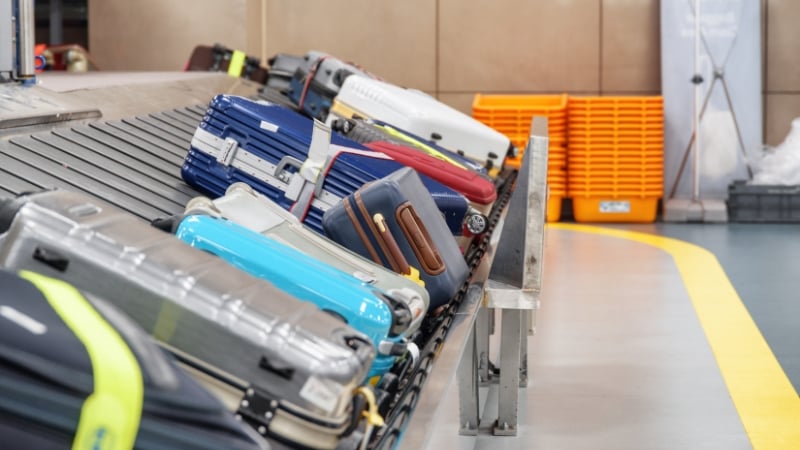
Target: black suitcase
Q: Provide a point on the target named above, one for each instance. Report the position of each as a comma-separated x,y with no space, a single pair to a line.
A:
77,373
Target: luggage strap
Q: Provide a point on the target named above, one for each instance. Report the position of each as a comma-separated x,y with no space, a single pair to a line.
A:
425,148
228,153
110,415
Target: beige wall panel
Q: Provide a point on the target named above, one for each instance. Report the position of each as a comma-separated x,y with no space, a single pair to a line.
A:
160,34
781,110
394,39
783,45
459,101
631,58
519,45
256,14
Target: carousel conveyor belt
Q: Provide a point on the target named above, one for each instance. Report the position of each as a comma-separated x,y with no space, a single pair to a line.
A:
131,163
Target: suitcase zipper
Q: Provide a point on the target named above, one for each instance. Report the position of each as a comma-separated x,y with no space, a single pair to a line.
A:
387,252
348,208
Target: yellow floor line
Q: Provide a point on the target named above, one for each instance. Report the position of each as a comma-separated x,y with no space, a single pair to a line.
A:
767,403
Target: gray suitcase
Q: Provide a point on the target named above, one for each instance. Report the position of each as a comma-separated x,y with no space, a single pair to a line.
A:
317,81
288,368
242,205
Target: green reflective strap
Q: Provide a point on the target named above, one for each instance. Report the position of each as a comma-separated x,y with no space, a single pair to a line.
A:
423,146
237,63
110,415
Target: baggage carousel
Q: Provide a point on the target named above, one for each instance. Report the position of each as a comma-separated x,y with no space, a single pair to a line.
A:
123,137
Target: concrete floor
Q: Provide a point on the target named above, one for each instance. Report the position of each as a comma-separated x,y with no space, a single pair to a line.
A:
620,359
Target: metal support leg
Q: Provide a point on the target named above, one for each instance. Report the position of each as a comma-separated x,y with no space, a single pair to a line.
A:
510,347
482,326
523,348
468,401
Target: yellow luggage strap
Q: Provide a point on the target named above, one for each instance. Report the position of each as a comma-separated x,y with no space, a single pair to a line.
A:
237,63
422,146
110,416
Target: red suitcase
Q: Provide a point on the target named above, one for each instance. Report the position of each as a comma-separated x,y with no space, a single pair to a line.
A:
476,188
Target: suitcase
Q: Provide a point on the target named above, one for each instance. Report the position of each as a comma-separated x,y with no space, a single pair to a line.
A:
242,205
222,59
284,155
77,373
380,316
477,189
397,211
281,70
363,131
437,165
290,367
317,80
269,95
419,113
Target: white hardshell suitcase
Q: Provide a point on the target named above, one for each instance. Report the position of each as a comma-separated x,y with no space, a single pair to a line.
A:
423,115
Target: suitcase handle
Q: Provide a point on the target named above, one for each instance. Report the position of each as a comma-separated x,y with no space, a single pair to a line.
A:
421,243
385,235
286,161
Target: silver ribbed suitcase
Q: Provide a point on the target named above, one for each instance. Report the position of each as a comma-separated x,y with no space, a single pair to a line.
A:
289,368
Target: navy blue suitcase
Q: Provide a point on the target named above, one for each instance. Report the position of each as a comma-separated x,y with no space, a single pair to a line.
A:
293,160
393,212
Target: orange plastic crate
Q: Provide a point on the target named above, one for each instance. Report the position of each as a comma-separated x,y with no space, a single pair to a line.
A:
511,115
554,153
618,210
554,207
521,140
519,105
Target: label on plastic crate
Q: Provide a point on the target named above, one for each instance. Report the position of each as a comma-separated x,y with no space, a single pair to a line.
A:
615,206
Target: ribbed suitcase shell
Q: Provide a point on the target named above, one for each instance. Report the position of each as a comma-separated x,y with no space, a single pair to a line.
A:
239,327
363,307
47,375
423,115
401,192
241,204
262,135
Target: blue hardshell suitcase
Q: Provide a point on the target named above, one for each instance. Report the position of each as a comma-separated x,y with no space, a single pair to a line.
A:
396,211
362,306
288,158
66,356
246,207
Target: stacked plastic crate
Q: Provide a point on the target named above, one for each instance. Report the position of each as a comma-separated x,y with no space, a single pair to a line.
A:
512,114
615,157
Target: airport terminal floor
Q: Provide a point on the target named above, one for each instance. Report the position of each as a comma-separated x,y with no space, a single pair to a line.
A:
658,336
